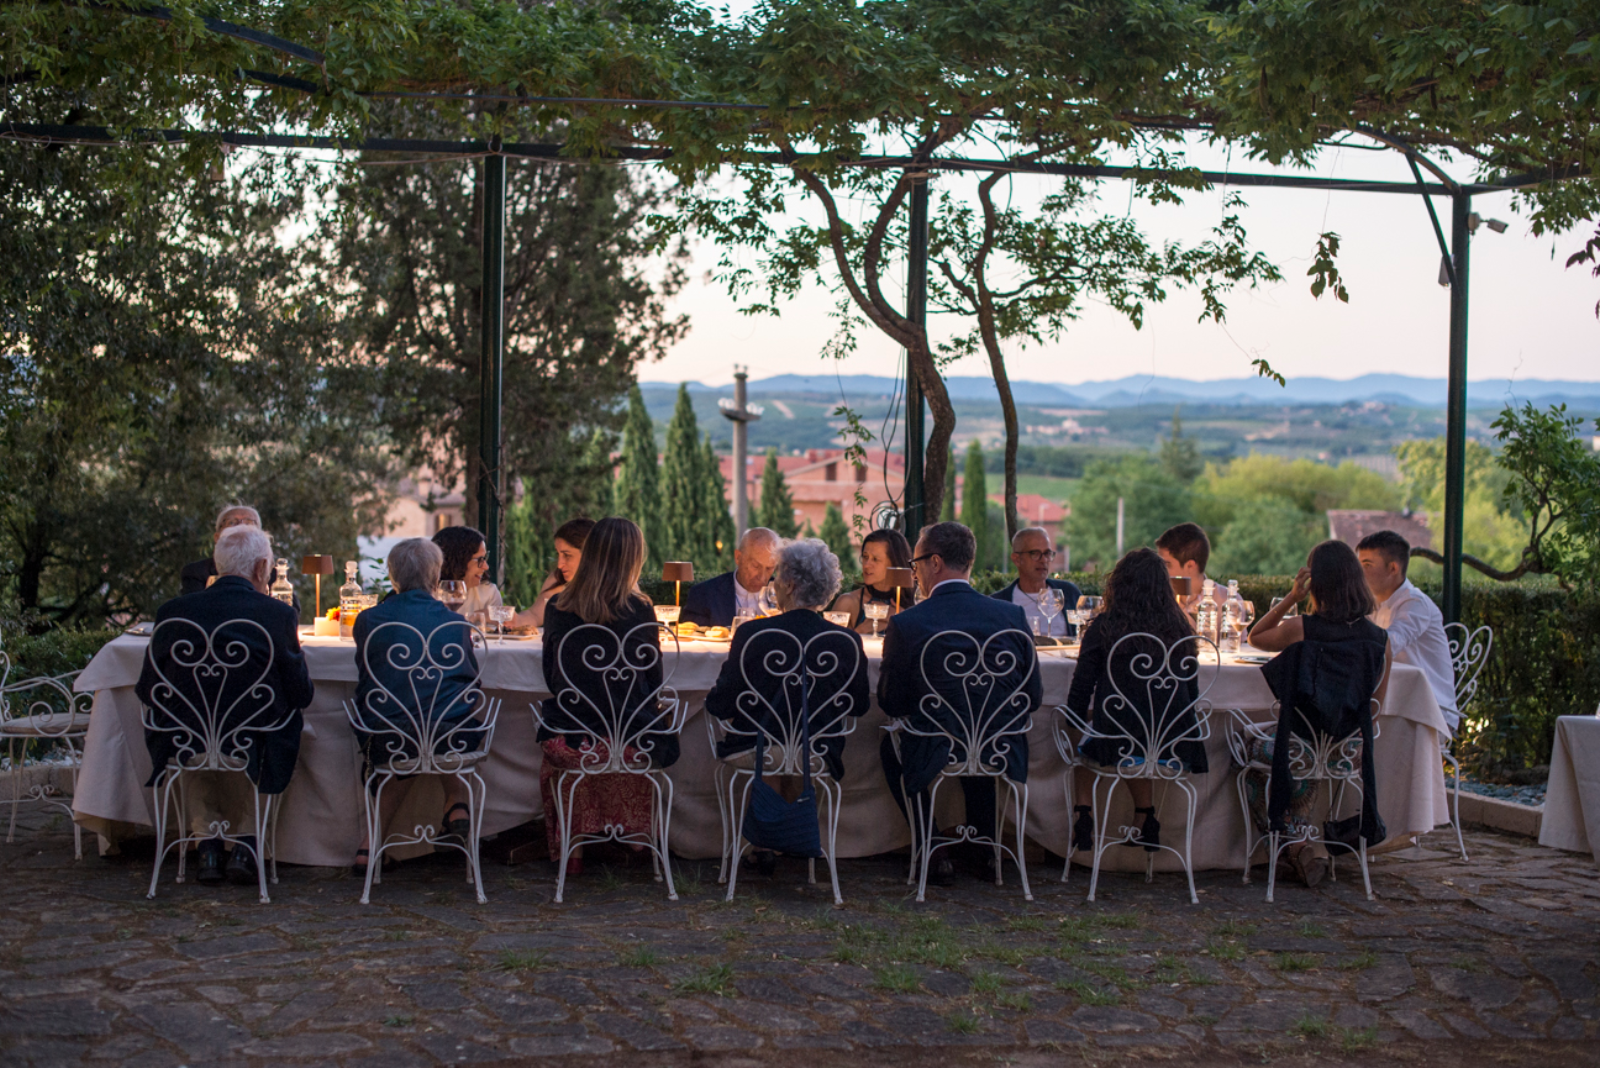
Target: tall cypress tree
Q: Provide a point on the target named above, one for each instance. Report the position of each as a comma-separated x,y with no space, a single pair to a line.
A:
716,490
597,458
975,501
683,487
777,504
835,534
638,486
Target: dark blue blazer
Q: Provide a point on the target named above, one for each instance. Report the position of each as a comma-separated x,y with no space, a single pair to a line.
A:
711,603
439,693
956,607
1069,596
273,754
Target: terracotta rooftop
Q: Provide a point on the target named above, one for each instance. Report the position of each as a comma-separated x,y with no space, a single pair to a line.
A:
1350,525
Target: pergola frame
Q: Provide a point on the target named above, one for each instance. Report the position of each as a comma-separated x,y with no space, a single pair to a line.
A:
919,170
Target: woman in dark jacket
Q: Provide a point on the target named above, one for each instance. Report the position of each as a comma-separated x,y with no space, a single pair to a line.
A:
1340,604
1138,600
620,629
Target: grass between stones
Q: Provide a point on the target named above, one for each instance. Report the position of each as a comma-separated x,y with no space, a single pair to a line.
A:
709,979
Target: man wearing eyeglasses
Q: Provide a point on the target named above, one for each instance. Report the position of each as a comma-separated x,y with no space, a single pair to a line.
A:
920,686
1032,554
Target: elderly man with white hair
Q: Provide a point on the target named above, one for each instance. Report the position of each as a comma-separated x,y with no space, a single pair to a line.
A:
243,560
714,602
198,575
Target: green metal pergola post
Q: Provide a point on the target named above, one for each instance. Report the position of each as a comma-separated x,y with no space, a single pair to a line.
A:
491,365
1456,405
917,312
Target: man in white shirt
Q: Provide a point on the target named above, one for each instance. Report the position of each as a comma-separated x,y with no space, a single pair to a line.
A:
716,601
1414,622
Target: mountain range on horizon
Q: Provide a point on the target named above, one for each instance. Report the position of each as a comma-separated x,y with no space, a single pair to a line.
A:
1160,389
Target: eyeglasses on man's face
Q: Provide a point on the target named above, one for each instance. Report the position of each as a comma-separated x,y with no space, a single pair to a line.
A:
1039,555
924,558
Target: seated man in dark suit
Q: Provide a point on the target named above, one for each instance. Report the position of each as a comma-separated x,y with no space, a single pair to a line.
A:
757,685
1032,554
714,602
943,561
244,568
196,576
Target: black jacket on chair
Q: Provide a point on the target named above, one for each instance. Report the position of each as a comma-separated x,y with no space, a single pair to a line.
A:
804,625
564,669
273,753
711,603
1325,684
955,606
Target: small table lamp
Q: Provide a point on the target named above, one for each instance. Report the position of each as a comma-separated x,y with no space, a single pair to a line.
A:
1182,586
677,572
901,578
318,566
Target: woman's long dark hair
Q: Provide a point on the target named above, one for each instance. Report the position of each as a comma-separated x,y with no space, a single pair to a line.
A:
894,544
1339,590
459,545
1139,599
574,532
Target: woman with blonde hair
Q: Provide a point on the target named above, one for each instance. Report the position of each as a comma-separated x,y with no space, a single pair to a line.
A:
603,593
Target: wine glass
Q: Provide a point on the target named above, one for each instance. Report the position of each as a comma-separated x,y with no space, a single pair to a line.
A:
453,594
769,601
875,611
1049,607
501,614
1089,607
1294,609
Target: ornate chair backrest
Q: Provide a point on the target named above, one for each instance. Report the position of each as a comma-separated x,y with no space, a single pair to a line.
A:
1147,699
214,692
609,702
780,674
1314,754
53,709
1469,651
975,697
426,706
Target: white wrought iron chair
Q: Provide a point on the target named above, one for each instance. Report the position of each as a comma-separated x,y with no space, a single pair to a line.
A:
214,719
1333,764
981,687
44,712
1155,719
436,724
609,706
1469,651
781,677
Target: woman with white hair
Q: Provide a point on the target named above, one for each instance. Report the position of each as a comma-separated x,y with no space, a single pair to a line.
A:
388,697
805,582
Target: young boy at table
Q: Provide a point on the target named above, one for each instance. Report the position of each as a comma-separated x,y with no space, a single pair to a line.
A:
1186,550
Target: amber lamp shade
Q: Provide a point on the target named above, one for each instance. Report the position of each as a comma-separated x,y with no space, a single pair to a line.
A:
677,572
317,566
1182,585
901,578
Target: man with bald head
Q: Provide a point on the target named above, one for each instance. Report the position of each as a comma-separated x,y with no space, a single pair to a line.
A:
714,602
1033,554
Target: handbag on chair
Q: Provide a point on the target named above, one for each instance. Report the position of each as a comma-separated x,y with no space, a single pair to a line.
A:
782,826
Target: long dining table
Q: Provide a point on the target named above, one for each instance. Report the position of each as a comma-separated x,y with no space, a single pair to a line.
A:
320,813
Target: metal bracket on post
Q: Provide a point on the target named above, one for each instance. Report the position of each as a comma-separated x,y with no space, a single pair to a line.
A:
491,366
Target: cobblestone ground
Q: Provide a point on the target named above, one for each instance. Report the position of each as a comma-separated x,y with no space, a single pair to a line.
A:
1488,962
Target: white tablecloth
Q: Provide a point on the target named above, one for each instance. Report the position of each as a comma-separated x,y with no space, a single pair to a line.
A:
320,820
1572,799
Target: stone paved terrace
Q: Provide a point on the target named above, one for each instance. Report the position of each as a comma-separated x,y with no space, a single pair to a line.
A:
1489,962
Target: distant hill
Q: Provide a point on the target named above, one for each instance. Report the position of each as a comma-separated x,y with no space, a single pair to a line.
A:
1157,389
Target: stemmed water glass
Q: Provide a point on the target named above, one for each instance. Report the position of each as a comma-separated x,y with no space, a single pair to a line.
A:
875,611
1088,608
453,594
1049,601
501,614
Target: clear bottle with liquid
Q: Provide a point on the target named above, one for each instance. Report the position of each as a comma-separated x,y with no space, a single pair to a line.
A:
1232,619
281,588
349,598
1206,617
